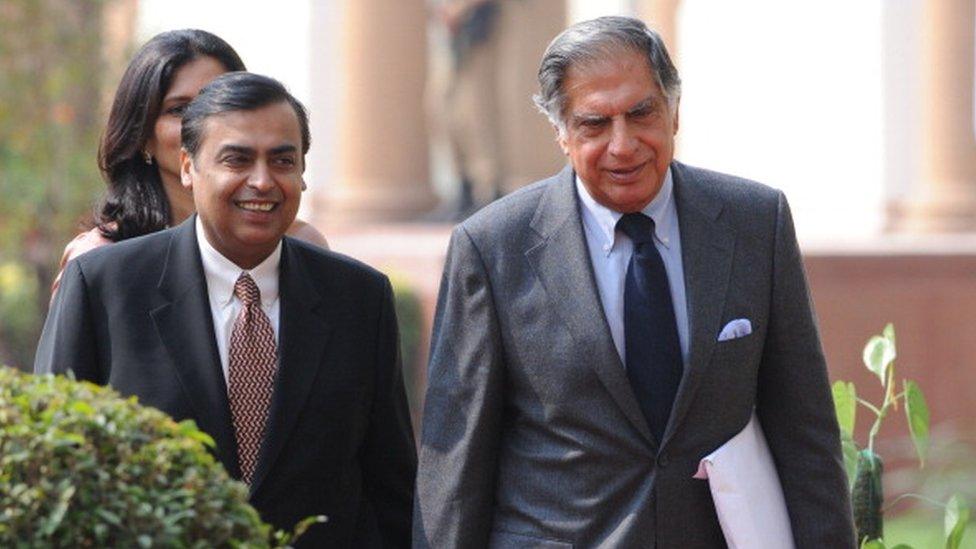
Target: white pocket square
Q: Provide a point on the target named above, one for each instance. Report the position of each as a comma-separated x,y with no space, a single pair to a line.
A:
737,328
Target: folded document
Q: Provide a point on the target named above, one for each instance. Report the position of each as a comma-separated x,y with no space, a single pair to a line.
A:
746,490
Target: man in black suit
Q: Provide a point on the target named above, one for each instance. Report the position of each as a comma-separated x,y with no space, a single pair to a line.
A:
285,353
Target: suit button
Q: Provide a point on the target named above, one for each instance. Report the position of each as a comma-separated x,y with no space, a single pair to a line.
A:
663,461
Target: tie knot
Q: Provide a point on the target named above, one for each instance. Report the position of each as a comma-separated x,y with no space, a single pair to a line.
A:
247,290
638,227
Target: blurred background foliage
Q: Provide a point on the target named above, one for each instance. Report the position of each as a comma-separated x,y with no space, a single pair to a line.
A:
410,323
50,119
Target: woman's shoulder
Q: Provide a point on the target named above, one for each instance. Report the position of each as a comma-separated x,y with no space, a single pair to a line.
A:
83,243
307,233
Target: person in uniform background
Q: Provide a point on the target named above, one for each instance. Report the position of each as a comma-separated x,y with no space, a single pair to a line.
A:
466,108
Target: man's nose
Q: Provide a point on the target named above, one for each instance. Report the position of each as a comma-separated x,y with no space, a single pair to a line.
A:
261,177
623,142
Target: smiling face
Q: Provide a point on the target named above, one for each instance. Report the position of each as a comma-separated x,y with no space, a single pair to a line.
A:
164,143
246,179
620,130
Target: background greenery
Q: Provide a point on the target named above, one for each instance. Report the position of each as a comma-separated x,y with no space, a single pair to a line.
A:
922,528
50,117
82,467
410,323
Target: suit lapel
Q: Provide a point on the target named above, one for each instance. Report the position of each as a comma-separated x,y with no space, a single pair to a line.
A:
185,327
707,247
571,289
304,329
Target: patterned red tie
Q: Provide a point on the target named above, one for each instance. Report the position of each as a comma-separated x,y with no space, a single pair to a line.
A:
251,371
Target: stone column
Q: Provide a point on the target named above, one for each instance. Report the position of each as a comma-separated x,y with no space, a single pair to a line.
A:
119,21
382,170
662,16
945,198
528,141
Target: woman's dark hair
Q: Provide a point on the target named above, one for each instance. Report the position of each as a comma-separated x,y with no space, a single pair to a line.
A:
136,202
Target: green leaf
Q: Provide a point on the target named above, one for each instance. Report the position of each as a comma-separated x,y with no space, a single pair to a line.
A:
850,450
956,518
918,419
845,404
54,519
304,524
73,438
81,407
889,333
879,353
903,546
109,516
873,544
189,429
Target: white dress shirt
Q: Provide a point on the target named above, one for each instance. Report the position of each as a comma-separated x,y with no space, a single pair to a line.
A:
221,275
610,252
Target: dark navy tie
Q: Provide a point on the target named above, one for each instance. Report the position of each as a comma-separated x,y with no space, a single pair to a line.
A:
654,364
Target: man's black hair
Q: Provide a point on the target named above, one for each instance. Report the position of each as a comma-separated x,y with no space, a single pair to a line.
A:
237,91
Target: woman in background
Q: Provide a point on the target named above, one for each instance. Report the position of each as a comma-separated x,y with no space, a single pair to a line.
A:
139,155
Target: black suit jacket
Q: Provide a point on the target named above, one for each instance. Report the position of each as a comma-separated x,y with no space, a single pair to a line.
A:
136,316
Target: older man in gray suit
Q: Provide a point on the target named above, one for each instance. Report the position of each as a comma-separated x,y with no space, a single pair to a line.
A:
601,331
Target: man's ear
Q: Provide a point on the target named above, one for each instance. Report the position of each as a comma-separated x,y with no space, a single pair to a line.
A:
561,139
676,111
186,167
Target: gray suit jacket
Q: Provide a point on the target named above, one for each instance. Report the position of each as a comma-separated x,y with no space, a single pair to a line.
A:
532,436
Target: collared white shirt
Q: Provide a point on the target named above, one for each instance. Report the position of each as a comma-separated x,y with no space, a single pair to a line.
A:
610,252
221,275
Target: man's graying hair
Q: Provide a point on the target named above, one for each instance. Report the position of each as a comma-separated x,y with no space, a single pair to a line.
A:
600,39
237,91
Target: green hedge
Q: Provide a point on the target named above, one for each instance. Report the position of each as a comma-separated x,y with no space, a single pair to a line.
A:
82,467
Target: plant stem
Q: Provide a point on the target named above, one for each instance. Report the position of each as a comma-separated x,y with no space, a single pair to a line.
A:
890,399
874,431
869,406
914,496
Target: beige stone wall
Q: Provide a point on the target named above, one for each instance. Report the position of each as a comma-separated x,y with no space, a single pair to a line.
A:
930,299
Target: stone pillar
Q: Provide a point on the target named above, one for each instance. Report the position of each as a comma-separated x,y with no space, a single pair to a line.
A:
119,21
382,170
945,198
528,141
662,16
